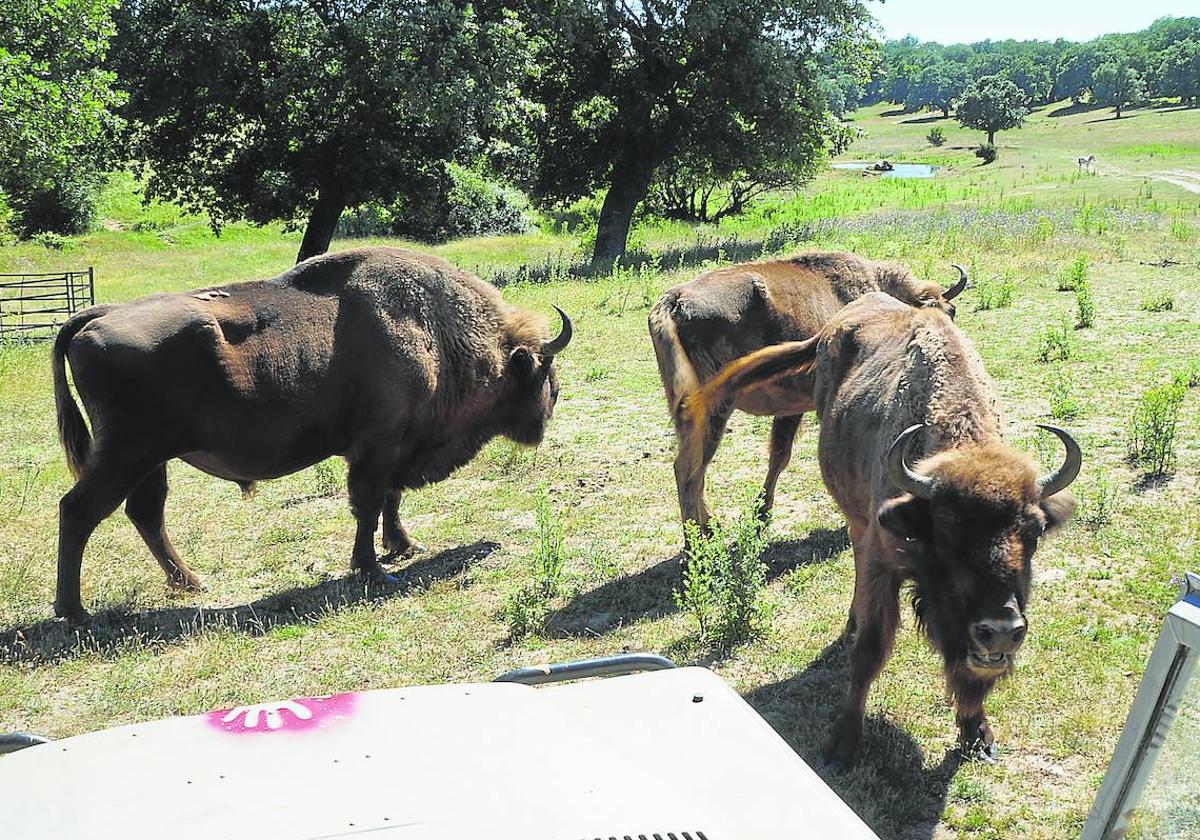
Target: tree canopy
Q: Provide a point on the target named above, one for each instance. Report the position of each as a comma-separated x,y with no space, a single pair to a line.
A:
991,104
279,110
726,86
1118,84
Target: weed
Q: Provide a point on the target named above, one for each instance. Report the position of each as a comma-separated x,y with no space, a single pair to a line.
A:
327,478
994,293
528,607
1075,274
1181,230
987,152
936,136
595,373
1057,342
1064,405
1158,302
723,580
1189,375
1153,428
1096,503
1085,305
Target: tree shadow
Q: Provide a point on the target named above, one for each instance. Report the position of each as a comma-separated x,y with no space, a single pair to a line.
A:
1075,108
1146,482
650,593
1125,116
890,788
54,640
921,120
895,112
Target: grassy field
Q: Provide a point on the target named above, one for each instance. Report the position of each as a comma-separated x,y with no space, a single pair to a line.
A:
281,617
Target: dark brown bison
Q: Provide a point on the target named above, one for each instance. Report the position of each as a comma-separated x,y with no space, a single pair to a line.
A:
911,450
397,361
702,325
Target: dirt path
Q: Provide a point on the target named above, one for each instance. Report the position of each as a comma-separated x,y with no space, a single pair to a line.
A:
1190,181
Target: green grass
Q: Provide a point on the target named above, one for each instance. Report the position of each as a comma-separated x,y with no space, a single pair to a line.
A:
283,619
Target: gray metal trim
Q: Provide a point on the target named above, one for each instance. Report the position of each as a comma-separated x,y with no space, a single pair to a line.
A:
602,666
1171,665
10,742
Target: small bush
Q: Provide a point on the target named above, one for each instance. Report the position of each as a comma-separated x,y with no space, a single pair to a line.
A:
724,578
1096,503
994,293
987,152
1181,230
1189,375
1158,302
1075,274
936,136
1056,343
50,240
1153,428
66,207
1064,405
528,607
1085,305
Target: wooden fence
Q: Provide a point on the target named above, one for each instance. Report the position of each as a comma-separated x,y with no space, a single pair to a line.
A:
33,306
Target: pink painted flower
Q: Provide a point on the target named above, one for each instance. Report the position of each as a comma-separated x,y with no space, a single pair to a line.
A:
297,714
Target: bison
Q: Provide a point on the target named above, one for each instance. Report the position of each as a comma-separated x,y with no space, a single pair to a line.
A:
910,448
394,360
706,323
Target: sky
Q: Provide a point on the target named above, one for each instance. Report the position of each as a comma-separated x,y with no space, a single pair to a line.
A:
964,21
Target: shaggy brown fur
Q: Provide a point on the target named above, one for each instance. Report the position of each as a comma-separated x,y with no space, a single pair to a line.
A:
395,360
706,323
877,368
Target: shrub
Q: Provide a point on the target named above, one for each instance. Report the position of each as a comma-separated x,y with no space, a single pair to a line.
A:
987,152
461,202
528,607
1181,230
936,135
1085,305
724,578
1064,405
994,293
1189,375
1153,428
1158,302
1075,274
1096,503
1056,343
50,240
67,207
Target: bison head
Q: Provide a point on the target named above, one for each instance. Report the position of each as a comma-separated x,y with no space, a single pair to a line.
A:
532,386
969,522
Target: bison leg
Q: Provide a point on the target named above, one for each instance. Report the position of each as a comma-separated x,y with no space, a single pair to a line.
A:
691,463
107,482
877,613
145,509
395,539
367,484
975,736
783,435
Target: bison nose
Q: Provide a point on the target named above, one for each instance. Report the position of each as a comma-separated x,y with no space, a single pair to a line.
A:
999,635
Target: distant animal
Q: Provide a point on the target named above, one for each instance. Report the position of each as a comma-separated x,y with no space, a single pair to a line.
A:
882,166
911,450
1087,163
702,325
395,360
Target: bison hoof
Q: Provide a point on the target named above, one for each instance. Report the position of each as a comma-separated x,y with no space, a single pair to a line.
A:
841,750
75,615
978,743
376,574
401,547
186,583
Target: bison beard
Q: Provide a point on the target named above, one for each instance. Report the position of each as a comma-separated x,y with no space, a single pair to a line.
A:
397,361
960,526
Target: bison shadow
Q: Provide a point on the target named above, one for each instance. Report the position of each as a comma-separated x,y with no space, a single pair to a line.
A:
650,593
54,640
890,788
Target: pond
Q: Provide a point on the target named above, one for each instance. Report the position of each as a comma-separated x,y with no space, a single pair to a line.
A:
899,170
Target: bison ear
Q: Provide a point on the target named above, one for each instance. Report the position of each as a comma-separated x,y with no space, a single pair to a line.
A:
906,516
1058,509
521,361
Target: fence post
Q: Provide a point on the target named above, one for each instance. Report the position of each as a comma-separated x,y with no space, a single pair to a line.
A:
91,286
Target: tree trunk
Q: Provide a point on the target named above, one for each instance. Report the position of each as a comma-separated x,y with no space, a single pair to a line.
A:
627,188
992,137
1118,111
322,222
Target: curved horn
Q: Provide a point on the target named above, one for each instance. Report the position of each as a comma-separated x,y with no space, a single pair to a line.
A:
955,290
901,474
1057,481
556,345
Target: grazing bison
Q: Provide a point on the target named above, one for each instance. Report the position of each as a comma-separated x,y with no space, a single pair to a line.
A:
910,448
397,361
706,323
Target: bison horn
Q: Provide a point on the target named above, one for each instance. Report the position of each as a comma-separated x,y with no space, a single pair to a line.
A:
556,345
955,290
901,474
1057,481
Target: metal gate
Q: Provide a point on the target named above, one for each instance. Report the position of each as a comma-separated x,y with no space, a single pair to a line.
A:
33,306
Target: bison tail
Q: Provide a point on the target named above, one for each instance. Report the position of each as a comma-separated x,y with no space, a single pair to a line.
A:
72,431
753,370
678,375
